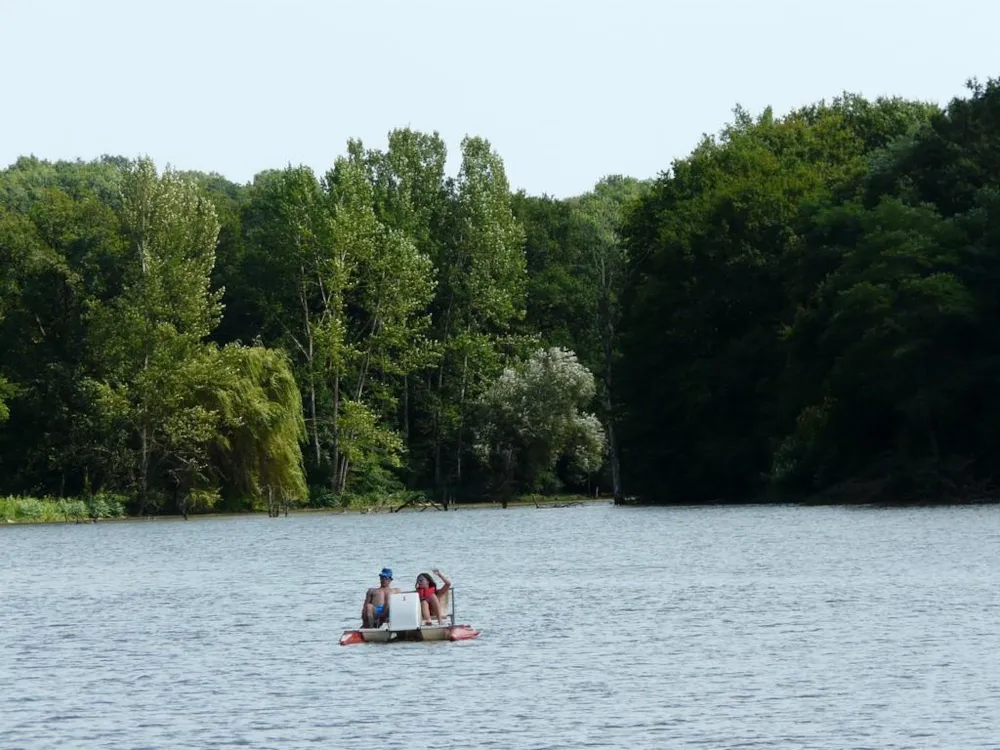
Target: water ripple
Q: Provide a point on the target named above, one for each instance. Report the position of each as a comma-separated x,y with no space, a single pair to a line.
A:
752,627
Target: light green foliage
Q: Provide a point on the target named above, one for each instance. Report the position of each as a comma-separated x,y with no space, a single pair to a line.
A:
411,201
480,297
391,286
172,405
227,417
367,443
359,288
97,506
26,180
22,509
410,186
300,279
150,338
533,416
261,424
172,228
155,420
373,276
392,280
488,269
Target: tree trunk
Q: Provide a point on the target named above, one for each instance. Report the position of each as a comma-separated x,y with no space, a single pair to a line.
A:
312,420
461,421
342,474
310,355
438,426
143,469
616,472
312,406
335,453
406,409
438,440
610,413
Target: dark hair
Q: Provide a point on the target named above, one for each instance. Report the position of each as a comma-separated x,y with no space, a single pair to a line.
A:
430,580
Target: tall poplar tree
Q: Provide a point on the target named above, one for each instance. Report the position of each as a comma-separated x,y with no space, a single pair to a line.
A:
481,294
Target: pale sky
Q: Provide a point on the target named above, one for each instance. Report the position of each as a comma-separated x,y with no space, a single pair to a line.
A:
567,91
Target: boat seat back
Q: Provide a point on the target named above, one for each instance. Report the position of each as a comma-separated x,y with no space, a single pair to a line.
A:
404,611
445,600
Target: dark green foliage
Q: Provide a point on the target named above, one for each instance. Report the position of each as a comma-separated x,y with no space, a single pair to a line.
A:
818,306
560,302
60,259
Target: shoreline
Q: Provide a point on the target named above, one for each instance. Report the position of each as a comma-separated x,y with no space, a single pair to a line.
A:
537,502
529,501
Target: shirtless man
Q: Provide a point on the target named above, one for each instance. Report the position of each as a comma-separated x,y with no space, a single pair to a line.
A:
375,610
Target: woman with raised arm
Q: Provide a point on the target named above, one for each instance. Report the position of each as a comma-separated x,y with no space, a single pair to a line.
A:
429,593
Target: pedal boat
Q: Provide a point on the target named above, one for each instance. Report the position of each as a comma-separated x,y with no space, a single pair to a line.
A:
405,624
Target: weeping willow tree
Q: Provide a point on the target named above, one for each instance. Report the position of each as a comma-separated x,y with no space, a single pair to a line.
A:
258,449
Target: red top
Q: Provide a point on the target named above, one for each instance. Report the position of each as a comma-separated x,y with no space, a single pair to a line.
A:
425,594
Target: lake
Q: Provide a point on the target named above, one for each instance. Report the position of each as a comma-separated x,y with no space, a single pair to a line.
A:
602,626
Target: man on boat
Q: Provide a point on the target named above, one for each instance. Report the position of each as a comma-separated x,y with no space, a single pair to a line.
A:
375,610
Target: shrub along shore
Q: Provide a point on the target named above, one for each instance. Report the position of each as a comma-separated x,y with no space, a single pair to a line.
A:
33,510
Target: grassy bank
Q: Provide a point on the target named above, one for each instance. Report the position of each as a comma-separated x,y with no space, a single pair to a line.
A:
23,509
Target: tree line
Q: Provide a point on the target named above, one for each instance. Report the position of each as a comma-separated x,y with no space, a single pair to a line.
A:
802,304
813,308
178,341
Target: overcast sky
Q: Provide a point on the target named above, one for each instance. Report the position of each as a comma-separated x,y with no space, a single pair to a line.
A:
567,91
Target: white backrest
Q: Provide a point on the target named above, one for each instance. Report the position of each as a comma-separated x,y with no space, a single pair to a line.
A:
404,611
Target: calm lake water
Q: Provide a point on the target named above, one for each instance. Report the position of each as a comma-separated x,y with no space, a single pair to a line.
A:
717,627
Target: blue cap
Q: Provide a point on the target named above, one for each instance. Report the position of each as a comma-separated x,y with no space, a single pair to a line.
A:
386,573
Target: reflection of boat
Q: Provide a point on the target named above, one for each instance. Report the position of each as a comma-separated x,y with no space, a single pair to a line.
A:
405,623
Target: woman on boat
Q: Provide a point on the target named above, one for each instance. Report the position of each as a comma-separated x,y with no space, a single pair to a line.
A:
428,591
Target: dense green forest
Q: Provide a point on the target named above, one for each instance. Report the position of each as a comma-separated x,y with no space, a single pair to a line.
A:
803,306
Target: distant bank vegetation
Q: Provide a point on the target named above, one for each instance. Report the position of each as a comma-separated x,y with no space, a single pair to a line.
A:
805,303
